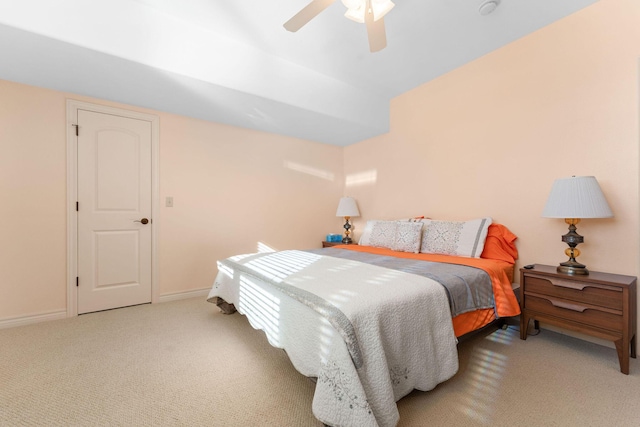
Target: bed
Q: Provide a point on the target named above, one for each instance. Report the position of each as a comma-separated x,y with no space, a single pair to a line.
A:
374,321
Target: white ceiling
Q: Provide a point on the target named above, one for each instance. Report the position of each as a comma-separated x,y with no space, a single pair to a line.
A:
231,61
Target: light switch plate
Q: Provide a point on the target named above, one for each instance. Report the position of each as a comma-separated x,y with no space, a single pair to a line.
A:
169,202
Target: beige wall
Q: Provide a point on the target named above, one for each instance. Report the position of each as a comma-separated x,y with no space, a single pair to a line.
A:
232,188
32,201
236,188
489,138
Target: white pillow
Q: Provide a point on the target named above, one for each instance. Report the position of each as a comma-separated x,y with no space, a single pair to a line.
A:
461,238
395,235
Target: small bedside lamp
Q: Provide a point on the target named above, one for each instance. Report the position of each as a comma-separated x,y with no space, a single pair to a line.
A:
347,208
573,199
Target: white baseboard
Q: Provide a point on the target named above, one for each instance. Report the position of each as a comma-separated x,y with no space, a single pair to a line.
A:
33,318
184,295
62,314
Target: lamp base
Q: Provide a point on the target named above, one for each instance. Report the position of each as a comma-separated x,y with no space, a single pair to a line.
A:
347,231
573,268
572,239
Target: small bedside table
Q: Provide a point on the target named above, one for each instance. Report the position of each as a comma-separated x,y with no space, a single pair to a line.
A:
599,304
326,244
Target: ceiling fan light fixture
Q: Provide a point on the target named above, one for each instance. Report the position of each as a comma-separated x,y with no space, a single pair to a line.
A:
356,9
356,15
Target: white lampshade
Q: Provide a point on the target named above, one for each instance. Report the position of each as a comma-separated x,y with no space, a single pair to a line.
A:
576,197
347,207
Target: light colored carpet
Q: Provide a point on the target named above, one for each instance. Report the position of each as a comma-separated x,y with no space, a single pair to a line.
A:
183,363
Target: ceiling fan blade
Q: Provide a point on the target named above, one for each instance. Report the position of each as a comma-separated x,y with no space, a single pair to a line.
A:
309,12
375,30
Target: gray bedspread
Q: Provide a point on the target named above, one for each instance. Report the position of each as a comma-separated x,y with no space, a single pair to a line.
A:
468,288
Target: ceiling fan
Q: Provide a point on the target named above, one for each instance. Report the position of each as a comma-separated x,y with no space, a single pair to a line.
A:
370,12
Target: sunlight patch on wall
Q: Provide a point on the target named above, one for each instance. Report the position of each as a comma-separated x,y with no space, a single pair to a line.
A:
361,178
309,170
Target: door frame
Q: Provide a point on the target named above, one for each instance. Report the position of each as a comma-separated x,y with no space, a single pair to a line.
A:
72,193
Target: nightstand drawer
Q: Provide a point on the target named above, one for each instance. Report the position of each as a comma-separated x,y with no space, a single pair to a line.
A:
588,314
579,292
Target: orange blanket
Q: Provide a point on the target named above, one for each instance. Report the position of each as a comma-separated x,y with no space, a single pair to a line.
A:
500,272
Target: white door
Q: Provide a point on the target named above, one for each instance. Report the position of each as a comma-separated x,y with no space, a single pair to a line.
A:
114,211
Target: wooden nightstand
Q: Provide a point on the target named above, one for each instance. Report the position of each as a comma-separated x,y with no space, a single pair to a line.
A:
326,244
599,304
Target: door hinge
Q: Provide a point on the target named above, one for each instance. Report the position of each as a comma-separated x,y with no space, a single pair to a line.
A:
77,127
77,281
77,206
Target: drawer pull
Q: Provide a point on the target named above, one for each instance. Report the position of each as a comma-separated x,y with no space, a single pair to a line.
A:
567,284
568,305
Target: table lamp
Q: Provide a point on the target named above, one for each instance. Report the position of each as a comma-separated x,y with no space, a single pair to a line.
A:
347,208
573,199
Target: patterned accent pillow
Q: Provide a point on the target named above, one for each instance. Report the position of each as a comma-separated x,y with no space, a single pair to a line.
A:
408,237
396,235
460,238
366,233
383,234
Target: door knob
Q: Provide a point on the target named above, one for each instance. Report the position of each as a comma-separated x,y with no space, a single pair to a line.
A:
143,220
